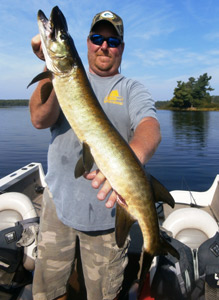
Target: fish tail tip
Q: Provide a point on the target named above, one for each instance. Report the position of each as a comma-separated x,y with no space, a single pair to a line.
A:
145,268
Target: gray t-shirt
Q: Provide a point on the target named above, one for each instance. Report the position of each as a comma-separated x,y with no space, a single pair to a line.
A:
126,102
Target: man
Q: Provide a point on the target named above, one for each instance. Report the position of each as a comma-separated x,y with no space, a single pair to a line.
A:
71,211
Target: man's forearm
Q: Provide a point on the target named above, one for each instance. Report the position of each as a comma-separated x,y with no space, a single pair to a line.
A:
44,107
146,139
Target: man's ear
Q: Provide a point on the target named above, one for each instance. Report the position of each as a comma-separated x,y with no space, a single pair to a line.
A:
123,46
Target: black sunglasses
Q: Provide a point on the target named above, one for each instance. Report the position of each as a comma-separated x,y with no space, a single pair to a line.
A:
98,39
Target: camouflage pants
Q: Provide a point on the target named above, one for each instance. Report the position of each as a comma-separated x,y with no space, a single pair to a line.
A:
103,262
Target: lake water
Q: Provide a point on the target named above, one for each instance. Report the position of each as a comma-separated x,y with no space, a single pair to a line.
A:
187,158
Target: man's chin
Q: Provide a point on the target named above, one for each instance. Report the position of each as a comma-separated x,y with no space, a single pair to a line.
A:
104,72
104,67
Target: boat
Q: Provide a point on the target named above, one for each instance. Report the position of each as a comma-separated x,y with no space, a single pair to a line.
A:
192,211
193,221
20,199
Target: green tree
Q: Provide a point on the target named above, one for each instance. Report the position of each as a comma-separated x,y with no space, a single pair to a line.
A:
200,94
182,96
193,93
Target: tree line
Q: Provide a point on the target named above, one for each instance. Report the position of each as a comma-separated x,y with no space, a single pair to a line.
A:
193,94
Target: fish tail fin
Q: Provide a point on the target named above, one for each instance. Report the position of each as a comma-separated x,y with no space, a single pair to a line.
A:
165,248
168,248
146,264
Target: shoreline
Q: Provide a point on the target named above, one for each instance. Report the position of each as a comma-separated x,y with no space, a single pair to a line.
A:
190,109
25,102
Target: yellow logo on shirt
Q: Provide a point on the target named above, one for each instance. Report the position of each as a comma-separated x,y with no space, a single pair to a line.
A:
114,98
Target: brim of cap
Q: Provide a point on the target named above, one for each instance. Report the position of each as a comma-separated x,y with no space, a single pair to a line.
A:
110,23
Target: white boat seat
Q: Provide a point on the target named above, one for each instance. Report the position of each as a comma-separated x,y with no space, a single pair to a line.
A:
191,226
8,218
215,202
19,204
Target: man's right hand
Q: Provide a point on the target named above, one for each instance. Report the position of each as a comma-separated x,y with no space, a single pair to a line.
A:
37,47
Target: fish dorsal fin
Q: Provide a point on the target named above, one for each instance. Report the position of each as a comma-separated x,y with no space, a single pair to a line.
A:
85,162
161,194
124,221
43,75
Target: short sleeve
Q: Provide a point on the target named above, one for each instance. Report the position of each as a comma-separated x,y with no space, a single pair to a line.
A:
141,104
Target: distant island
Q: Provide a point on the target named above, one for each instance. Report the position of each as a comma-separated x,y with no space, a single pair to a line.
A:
192,95
213,105
15,102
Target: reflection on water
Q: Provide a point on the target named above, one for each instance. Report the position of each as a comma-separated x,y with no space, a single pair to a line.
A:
190,128
188,153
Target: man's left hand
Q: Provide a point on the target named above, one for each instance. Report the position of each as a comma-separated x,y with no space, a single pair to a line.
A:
99,179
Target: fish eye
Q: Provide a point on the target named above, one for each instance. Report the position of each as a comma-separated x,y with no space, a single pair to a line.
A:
63,36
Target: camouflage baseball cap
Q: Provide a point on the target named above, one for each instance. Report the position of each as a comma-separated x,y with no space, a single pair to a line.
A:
111,17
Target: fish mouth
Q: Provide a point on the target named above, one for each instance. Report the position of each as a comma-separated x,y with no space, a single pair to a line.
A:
53,26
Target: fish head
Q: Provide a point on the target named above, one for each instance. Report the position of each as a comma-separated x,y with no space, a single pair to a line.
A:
57,44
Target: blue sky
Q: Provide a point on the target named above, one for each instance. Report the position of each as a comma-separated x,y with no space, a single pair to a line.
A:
165,41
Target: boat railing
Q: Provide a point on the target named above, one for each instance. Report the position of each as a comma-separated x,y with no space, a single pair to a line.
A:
198,198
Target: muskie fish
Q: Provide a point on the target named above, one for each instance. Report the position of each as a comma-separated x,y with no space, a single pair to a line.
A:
100,140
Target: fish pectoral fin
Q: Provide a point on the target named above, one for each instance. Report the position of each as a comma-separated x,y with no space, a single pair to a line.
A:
161,194
79,168
85,162
43,75
124,221
88,159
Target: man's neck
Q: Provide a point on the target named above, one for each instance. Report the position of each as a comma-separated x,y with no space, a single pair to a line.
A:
103,73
